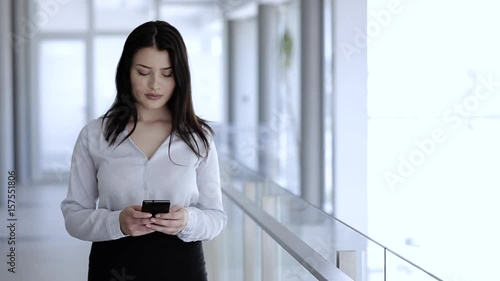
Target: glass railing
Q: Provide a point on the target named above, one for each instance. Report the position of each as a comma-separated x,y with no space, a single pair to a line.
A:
400,269
253,248
243,251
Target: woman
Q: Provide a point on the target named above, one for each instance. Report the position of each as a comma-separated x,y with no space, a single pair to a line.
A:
148,145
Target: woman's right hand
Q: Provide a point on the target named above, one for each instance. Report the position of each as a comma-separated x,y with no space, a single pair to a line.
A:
133,221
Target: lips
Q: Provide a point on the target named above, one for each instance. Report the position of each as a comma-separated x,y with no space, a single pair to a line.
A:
153,96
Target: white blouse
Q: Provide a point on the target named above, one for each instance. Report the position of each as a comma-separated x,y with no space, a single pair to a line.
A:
106,179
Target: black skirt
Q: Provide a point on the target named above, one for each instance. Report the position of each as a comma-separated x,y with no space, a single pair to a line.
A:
155,256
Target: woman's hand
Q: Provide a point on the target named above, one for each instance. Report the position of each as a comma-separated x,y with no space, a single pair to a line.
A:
171,223
133,222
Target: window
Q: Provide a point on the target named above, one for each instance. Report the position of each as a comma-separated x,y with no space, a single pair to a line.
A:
107,51
62,100
433,133
201,28
59,16
122,15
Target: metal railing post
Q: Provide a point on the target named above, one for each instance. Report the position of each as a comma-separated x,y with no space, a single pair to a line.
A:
347,261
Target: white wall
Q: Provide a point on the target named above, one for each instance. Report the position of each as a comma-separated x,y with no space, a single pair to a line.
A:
244,90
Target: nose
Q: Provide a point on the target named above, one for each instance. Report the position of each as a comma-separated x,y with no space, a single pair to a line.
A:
154,83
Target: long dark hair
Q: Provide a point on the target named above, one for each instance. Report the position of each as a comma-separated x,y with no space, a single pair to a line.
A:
185,123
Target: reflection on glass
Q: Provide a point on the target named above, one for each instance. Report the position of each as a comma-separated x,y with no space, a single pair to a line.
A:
62,101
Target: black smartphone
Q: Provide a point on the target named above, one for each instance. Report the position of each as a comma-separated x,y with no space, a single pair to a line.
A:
155,206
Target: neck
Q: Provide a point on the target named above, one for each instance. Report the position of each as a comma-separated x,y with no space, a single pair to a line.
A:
153,115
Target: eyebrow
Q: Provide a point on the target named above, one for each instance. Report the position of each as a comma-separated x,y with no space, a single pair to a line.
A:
145,66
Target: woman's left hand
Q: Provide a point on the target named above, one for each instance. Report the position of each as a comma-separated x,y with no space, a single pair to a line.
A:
170,223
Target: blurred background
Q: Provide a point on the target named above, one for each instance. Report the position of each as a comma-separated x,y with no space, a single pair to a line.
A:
382,115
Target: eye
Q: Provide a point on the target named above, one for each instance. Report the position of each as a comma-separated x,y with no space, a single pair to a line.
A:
168,75
142,73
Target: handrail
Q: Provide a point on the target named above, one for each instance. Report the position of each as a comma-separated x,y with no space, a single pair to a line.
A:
322,269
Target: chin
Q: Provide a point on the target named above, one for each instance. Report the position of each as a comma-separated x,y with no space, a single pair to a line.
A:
153,105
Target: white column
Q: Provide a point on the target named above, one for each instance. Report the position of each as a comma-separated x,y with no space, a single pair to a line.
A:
6,97
243,90
268,88
24,106
311,145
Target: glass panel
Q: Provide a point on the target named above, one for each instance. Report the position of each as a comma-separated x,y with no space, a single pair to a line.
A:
324,234
428,176
230,242
271,261
62,101
288,268
107,51
122,15
59,15
201,29
317,229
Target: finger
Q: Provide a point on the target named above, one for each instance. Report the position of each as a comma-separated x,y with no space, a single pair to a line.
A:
160,222
142,230
163,229
137,213
141,215
166,223
167,216
173,215
143,222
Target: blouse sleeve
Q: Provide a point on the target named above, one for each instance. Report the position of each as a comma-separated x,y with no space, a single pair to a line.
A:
207,218
82,219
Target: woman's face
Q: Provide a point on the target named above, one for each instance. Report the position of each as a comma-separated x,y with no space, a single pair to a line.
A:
152,79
